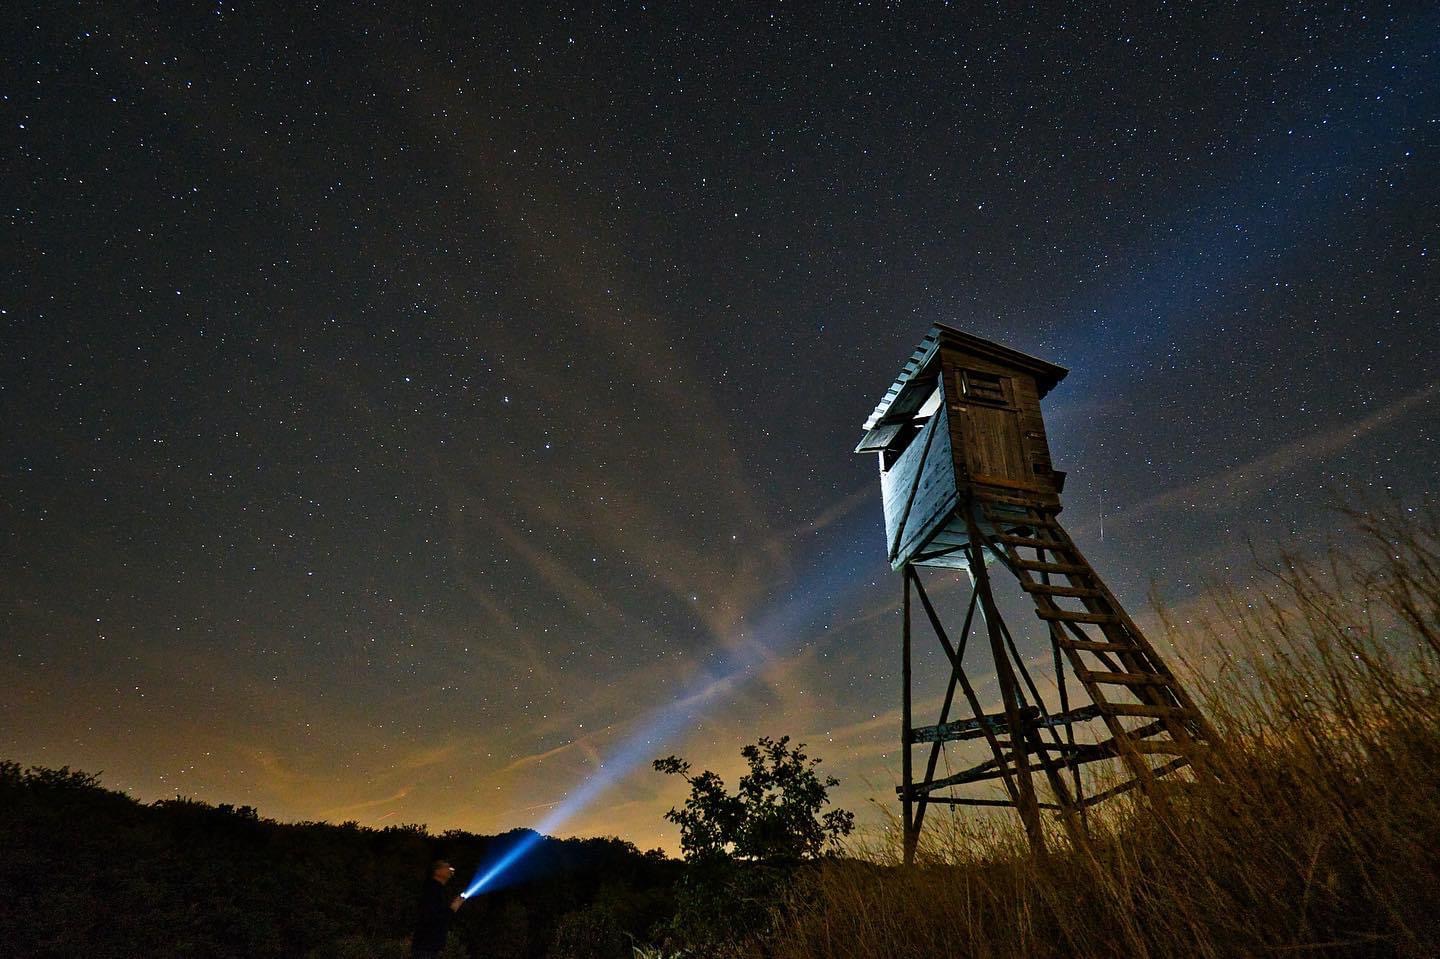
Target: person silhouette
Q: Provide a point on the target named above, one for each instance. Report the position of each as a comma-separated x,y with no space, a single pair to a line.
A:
432,919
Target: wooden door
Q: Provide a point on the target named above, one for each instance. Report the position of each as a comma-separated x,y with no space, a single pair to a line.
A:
990,426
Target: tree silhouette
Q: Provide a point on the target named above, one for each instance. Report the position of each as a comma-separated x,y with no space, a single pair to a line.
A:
774,817
744,848
88,871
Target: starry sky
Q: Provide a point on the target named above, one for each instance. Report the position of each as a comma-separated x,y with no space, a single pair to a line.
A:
421,414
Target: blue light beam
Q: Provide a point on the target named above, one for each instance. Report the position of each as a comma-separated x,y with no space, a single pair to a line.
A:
816,593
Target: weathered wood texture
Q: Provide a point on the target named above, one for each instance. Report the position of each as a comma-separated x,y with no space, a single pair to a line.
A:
997,431
919,490
986,438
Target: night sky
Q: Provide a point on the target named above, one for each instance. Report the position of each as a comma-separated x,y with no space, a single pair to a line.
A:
431,416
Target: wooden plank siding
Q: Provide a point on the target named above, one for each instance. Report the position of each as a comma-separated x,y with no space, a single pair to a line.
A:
919,490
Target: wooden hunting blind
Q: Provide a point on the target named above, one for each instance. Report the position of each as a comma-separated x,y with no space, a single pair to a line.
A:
968,484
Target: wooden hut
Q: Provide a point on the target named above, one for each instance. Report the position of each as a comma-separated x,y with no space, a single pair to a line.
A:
962,418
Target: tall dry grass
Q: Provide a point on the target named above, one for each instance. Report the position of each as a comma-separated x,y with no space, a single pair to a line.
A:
1321,839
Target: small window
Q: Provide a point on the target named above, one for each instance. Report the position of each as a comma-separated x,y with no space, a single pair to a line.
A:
979,387
891,455
928,408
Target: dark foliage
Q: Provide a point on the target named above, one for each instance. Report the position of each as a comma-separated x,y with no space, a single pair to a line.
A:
746,850
87,871
774,816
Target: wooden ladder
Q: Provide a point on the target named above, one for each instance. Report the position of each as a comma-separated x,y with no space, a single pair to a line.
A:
1120,671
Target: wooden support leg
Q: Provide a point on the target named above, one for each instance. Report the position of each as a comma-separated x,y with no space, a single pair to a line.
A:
907,803
956,677
1026,801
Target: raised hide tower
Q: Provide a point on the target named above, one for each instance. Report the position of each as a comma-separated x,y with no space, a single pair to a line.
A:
968,484
961,420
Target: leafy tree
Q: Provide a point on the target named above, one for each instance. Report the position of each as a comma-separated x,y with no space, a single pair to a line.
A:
745,848
774,817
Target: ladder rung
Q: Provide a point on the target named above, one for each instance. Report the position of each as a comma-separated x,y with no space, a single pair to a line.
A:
1094,646
1162,747
992,498
1039,566
1029,541
1124,679
1029,509
1004,519
1145,709
1164,769
1047,589
1072,616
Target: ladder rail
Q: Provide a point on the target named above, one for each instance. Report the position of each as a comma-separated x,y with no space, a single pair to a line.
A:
1161,692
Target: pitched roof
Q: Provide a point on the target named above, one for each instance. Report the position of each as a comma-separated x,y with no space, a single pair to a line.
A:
1046,374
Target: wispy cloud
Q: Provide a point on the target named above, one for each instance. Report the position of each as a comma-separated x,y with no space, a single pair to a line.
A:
524,763
352,809
1220,489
